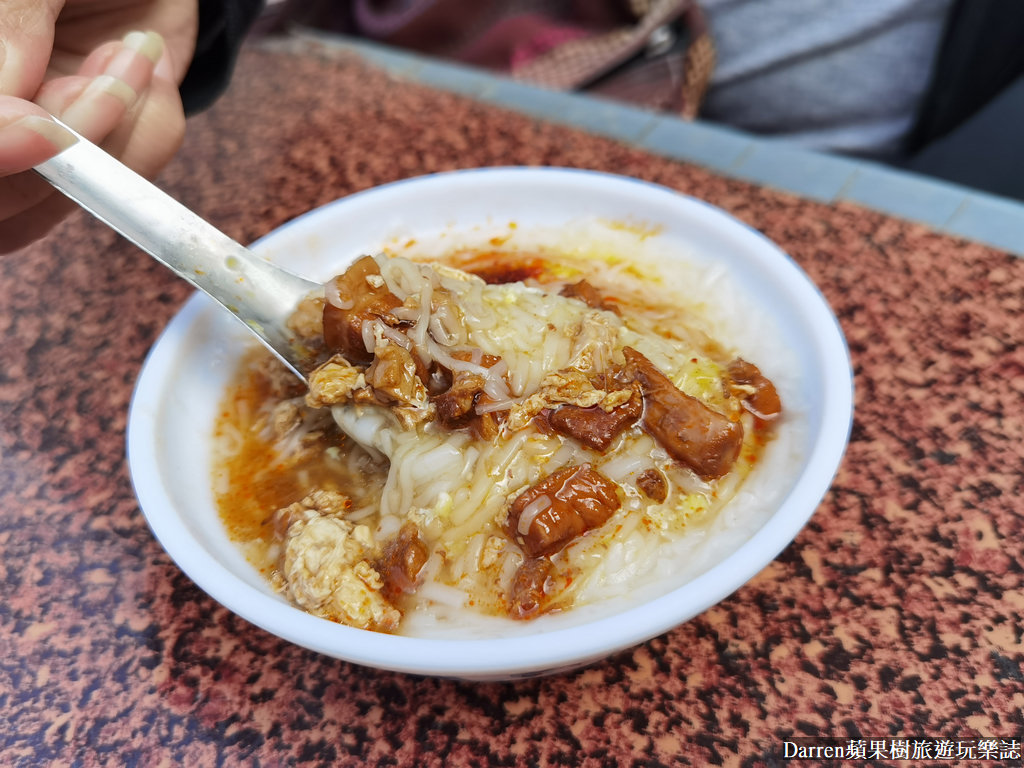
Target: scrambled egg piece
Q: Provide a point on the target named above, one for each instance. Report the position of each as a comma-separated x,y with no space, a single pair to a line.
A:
326,565
333,382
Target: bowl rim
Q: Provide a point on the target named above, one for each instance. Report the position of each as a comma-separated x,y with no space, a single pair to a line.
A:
528,654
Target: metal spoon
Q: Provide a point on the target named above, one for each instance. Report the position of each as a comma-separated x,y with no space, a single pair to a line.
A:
257,292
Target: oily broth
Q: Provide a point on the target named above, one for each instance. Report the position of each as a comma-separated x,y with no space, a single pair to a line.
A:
252,479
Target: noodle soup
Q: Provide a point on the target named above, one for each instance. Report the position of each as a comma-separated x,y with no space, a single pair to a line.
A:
495,436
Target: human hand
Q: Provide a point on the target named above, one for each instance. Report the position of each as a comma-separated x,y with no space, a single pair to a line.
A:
89,63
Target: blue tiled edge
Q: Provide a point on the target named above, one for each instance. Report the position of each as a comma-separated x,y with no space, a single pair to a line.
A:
905,194
946,207
992,220
812,174
719,149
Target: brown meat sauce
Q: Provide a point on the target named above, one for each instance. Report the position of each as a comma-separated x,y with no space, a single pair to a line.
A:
756,392
529,593
402,560
496,268
653,485
589,295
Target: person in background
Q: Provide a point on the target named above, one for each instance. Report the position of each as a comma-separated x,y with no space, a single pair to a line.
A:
932,85
833,75
936,86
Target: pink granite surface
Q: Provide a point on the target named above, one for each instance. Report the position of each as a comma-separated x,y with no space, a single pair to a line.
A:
897,611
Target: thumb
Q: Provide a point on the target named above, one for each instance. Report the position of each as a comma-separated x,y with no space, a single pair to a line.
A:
27,136
26,41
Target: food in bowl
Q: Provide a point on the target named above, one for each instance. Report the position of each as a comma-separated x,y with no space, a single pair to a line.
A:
493,433
755,300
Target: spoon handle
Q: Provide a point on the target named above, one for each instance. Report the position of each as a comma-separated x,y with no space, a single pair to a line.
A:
259,293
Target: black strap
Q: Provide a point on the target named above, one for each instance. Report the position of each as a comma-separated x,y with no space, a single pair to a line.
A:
223,25
982,54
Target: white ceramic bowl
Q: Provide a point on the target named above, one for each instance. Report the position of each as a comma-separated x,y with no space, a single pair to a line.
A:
175,401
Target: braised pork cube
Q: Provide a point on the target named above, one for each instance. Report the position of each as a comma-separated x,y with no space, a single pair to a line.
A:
588,294
594,426
361,295
528,593
562,506
758,394
455,405
402,561
690,432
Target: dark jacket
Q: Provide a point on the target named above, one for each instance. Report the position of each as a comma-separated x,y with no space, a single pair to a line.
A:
972,118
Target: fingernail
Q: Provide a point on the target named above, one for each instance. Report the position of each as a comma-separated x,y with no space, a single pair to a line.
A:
134,63
54,133
149,44
105,99
20,142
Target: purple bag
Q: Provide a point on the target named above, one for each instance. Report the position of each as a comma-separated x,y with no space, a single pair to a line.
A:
654,53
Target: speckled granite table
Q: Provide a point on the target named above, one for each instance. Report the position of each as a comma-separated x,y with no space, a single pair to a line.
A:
895,612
